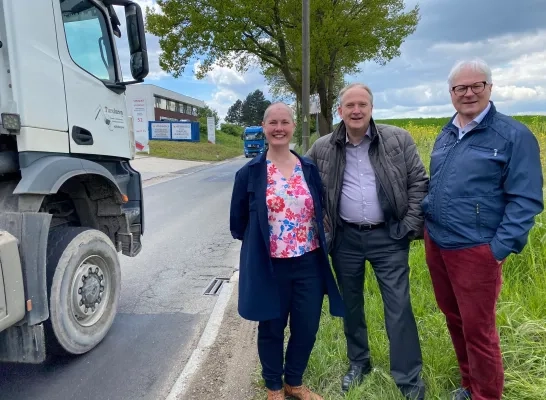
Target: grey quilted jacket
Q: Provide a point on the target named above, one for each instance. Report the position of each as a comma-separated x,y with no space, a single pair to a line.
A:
402,181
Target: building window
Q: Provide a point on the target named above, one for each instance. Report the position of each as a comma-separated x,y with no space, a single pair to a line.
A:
160,102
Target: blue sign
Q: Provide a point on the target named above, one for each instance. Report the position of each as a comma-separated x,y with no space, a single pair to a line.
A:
174,131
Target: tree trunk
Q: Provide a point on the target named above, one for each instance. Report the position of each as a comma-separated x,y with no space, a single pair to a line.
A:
326,104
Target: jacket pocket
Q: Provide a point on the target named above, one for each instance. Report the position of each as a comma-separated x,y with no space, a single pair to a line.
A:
462,216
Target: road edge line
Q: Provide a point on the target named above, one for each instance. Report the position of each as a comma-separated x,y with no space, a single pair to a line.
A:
207,339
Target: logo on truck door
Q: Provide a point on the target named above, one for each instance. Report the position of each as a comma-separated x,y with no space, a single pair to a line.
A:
112,117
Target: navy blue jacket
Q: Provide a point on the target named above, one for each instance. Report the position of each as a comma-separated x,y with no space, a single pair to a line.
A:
259,298
485,187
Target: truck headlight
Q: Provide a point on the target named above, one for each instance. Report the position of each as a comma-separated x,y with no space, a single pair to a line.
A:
11,122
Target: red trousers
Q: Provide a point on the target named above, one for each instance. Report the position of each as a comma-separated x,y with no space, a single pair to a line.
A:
466,284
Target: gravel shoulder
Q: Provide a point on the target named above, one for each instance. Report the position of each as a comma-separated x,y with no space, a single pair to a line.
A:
229,371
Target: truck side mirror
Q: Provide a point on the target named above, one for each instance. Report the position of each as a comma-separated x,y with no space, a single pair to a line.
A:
137,41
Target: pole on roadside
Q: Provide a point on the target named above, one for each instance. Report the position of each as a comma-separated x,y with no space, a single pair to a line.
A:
305,76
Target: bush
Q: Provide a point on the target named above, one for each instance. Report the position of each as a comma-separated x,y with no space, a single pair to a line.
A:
232,129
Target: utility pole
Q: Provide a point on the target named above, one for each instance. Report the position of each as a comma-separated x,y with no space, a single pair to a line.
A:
305,76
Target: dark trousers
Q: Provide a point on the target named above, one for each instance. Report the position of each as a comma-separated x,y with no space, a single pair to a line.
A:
467,284
302,292
389,260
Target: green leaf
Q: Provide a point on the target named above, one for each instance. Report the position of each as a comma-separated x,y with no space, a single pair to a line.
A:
267,34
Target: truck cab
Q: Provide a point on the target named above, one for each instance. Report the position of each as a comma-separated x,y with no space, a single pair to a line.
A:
254,141
70,201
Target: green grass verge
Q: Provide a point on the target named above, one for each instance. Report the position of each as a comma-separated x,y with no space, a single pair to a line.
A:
521,316
226,146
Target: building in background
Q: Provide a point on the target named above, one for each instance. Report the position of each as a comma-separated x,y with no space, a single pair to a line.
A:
146,102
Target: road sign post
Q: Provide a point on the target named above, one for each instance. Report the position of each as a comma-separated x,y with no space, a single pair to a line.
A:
305,76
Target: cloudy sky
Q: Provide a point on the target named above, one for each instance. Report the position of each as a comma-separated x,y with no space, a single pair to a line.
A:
510,35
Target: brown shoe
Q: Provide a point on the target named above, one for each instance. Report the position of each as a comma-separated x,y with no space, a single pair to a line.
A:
301,392
275,394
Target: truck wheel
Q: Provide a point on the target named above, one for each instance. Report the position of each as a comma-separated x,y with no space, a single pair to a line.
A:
84,279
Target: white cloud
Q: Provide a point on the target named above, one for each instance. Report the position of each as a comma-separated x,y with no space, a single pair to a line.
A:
414,84
518,68
516,93
413,112
148,3
221,76
230,85
152,45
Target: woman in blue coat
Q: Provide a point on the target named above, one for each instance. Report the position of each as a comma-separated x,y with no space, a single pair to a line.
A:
276,211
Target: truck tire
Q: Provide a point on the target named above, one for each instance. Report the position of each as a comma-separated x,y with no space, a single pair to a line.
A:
84,282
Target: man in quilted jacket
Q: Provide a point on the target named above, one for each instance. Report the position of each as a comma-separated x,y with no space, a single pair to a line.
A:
374,182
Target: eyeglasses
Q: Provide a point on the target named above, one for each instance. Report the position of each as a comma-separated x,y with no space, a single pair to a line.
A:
476,88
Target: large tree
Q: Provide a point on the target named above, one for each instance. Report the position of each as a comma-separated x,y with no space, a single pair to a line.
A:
253,108
267,33
235,113
250,111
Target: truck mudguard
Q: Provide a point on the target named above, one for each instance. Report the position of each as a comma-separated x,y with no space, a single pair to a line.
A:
47,174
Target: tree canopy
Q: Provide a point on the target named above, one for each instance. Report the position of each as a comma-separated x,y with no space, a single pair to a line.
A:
267,34
250,111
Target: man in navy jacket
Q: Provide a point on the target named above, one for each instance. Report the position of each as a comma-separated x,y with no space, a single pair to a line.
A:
485,191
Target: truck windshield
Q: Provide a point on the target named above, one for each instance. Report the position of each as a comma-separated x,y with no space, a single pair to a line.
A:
254,136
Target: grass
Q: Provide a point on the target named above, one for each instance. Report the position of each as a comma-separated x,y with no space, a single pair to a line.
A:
226,146
521,316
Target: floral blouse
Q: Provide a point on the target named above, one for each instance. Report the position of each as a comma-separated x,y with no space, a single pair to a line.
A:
291,213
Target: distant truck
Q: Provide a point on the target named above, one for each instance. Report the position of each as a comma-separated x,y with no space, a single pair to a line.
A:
70,201
254,141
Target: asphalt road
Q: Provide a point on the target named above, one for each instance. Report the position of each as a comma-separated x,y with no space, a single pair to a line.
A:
163,307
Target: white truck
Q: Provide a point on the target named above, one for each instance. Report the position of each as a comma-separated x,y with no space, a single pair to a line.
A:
70,201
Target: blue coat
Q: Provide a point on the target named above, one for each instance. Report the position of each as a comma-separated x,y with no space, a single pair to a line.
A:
259,298
485,187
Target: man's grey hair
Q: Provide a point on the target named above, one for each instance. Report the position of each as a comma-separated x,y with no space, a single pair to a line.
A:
353,85
475,64
277,103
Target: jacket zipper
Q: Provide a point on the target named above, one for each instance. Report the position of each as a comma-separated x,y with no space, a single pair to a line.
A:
478,219
340,156
440,179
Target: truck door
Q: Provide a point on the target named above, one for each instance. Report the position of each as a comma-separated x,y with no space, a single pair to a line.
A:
97,117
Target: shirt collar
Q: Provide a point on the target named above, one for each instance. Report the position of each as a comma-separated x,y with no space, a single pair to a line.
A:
368,133
476,120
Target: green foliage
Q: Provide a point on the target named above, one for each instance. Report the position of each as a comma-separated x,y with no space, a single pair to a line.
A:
250,111
253,108
205,112
235,113
268,34
226,147
232,129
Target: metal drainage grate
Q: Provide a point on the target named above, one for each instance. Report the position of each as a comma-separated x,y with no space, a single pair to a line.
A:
213,288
